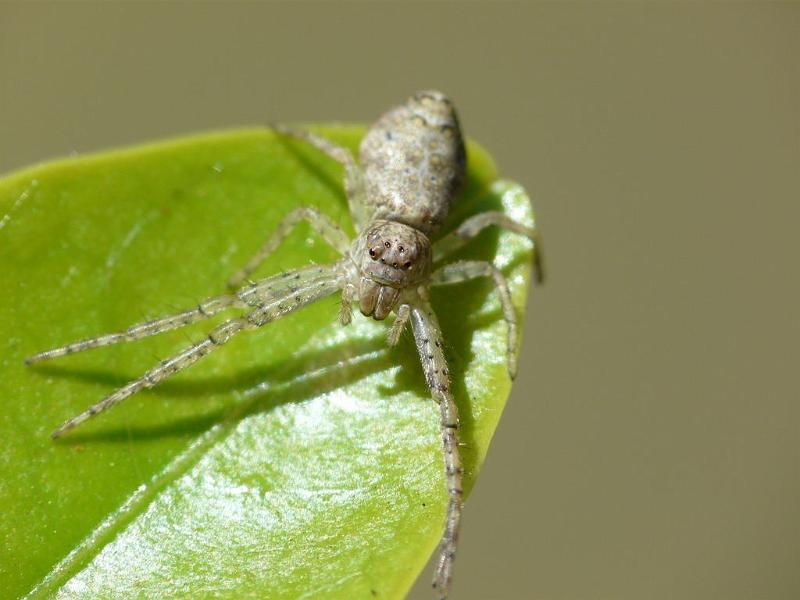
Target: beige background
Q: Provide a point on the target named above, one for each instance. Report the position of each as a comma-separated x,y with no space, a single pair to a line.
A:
650,447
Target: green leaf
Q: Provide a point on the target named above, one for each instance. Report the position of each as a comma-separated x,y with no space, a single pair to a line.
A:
300,461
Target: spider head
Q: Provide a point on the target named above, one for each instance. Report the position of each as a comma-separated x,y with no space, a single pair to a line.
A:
391,256
395,254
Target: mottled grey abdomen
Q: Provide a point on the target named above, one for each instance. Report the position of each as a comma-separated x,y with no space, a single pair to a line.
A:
414,162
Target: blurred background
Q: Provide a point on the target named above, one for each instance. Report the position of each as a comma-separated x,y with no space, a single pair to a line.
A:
650,448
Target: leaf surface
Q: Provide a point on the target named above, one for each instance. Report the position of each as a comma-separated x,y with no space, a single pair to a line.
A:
301,460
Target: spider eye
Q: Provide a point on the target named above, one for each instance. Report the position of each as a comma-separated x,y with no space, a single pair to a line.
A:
407,264
387,244
372,252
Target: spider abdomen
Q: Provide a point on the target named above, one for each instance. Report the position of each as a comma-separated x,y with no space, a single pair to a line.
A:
414,162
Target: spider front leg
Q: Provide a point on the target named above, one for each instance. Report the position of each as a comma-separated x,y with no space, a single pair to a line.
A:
251,295
271,299
205,309
477,223
216,338
428,337
320,223
469,269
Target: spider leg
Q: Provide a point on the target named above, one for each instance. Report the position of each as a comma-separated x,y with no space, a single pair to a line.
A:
353,176
403,313
469,269
205,309
346,308
287,283
428,337
273,307
322,224
250,295
475,224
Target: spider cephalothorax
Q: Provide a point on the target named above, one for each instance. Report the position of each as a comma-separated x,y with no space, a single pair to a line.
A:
399,255
412,162
390,256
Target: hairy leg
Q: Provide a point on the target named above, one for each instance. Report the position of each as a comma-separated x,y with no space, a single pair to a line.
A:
322,224
428,338
216,338
274,305
475,224
254,294
205,309
403,313
287,283
346,308
469,269
353,177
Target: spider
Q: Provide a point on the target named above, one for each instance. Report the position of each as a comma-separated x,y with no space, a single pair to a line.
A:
412,164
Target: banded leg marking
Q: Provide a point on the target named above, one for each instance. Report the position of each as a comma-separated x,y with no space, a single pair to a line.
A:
428,337
204,310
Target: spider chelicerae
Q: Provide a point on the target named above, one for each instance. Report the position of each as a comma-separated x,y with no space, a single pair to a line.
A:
412,164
